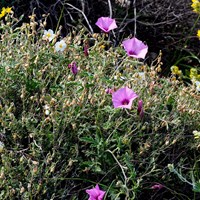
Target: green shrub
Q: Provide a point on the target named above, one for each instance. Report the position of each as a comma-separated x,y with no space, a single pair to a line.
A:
61,135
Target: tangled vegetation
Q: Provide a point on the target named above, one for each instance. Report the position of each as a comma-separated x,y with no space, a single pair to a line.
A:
60,134
164,24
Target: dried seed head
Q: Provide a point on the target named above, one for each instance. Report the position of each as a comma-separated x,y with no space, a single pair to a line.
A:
22,190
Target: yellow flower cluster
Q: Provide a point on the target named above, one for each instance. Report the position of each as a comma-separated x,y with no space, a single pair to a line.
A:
196,6
175,70
194,76
198,33
4,11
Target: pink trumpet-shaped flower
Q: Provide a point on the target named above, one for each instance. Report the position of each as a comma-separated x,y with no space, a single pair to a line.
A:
123,98
95,193
135,48
106,24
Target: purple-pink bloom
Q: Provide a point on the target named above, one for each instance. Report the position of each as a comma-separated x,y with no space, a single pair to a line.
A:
157,186
135,48
74,68
140,108
95,193
123,98
109,91
106,24
70,65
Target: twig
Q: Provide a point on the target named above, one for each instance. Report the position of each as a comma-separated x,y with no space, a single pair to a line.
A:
82,5
135,15
91,30
110,8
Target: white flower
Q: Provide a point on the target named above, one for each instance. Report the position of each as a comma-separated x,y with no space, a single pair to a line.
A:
115,77
60,46
46,109
197,83
47,112
140,77
48,35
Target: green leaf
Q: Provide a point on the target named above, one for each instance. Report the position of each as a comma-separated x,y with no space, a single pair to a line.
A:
196,187
32,85
88,140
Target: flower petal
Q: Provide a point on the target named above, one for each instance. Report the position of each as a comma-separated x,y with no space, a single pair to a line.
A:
135,48
123,98
106,24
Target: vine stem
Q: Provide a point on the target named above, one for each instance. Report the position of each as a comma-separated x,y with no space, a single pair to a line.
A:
122,168
135,15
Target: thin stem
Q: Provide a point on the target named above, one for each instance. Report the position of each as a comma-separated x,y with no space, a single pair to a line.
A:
195,23
135,15
59,19
110,8
122,168
91,30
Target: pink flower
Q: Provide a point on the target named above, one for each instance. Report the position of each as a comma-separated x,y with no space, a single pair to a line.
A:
73,67
123,98
106,24
135,48
109,91
70,65
96,193
140,108
157,186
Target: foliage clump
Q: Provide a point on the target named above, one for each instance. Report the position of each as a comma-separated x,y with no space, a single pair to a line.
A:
59,131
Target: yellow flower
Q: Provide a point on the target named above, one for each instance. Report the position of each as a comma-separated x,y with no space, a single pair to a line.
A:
8,9
198,33
196,6
193,74
102,46
1,15
196,134
175,70
4,11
